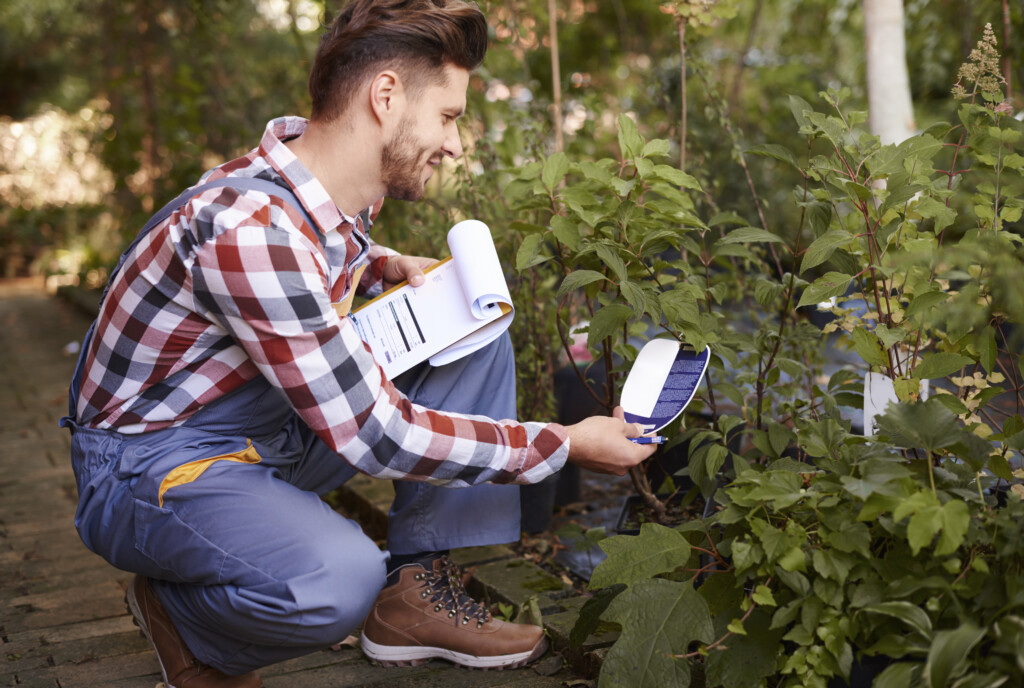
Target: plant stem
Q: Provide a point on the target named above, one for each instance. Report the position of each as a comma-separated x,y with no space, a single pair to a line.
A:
931,474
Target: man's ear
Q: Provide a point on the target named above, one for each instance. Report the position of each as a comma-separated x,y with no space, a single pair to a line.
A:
387,97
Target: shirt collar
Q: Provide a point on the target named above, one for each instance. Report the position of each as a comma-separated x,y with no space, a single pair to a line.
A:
309,190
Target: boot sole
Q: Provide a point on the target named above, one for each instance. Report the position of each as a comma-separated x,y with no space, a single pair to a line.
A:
414,655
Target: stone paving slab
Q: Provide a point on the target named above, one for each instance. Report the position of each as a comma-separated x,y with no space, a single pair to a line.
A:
62,618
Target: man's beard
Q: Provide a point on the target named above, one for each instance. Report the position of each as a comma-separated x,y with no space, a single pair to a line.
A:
400,164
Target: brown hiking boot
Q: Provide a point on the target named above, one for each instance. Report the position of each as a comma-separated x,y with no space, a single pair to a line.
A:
180,668
424,614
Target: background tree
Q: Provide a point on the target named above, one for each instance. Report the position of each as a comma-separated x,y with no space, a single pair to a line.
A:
890,110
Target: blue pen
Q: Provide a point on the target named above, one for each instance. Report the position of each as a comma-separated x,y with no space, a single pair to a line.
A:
657,439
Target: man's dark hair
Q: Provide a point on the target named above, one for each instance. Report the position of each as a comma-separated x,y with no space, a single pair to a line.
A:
416,38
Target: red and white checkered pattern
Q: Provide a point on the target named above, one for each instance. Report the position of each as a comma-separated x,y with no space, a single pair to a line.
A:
235,284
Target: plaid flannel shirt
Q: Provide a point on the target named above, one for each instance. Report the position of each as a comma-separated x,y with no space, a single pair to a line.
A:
234,285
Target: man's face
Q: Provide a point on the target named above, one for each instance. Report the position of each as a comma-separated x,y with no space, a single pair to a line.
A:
426,134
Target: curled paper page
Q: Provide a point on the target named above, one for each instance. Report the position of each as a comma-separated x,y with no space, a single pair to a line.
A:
462,305
483,283
476,262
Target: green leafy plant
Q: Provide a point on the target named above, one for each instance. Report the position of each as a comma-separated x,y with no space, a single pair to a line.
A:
830,547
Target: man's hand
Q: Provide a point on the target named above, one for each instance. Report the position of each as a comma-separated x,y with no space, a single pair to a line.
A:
401,268
601,444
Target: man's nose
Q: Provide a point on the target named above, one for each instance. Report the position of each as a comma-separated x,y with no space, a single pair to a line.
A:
452,146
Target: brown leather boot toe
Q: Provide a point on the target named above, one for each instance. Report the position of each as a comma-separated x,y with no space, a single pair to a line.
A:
425,614
177,663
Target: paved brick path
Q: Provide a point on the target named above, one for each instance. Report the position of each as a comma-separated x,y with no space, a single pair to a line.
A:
62,616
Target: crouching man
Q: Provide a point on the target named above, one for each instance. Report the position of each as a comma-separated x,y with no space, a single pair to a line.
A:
221,392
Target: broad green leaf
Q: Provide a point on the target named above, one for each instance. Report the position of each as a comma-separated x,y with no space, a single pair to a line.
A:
774,541
632,558
766,291
800,109
824,288
555,169
528,228
676,177
780,437
726,218
910,614
721,593
773,150
867,346
659,618
1009,213
635,295
706,461
590,614
929,207
578,198
907,390
955,519
948,654
924,146
890,335
898,675
949,522
916,502
899,196
763,596
610,257
527,256
794,560
819,215
854,538
578,278
656,148
749,659
644,167
596,171
606,322
631,144
974,450
928,425
952,403
822,248
832,564
744,235
922,303
746,555
985,343
566,231
858,190
679,305
938,365
922,528
1000,467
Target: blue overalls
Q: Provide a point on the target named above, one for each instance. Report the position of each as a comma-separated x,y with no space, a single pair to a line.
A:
223,513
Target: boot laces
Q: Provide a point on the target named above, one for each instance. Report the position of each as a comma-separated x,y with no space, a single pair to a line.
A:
444,587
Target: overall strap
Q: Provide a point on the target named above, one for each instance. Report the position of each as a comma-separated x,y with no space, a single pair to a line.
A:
244,183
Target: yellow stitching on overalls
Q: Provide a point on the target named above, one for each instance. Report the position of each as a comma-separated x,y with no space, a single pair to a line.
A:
190,472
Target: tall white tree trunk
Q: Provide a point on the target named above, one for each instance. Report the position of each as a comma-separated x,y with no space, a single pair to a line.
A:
890,111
